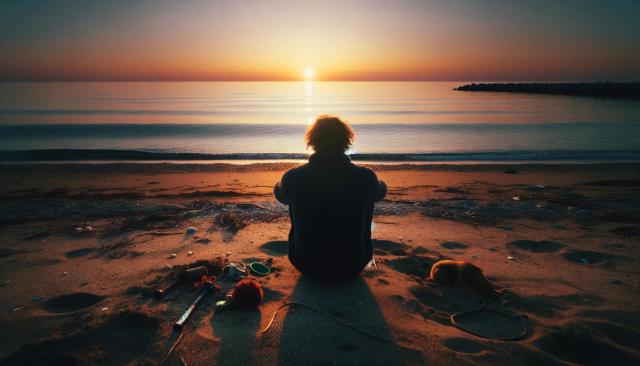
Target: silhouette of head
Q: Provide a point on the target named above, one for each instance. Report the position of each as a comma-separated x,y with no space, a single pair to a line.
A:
329,134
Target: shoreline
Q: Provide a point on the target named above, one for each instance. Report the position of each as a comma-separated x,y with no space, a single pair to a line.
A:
498,156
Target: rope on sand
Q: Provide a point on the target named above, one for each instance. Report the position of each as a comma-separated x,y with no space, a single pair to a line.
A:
322,312
484,306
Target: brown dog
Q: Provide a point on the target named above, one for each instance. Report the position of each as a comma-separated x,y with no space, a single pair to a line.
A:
462,274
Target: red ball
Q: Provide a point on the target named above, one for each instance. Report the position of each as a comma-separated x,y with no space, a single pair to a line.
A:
247,294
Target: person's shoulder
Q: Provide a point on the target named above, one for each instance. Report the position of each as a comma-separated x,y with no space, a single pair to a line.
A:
367,173
295,172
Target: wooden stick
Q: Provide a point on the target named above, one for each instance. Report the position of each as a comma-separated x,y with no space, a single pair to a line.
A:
180,323
171,349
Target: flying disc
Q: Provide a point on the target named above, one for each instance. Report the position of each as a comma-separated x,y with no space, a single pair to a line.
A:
259,268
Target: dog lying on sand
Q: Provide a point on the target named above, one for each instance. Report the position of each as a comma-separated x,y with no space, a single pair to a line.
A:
462,274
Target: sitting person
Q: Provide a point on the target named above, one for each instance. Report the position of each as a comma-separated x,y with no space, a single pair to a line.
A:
331,205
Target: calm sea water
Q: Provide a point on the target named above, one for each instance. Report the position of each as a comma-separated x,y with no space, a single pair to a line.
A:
392,120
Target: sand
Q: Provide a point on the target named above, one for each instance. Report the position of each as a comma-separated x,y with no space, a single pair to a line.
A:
560,242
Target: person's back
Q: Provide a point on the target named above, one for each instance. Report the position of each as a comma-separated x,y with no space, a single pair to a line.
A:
331,206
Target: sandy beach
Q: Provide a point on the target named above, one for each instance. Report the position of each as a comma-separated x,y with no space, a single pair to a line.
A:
83,247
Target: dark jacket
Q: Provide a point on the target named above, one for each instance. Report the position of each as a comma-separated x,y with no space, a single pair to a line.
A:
331,206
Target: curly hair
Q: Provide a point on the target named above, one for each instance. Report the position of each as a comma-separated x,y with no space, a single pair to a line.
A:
329,134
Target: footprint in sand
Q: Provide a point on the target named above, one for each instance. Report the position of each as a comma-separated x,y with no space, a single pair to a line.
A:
464,345
386,247
579,344
79,252
534,246
453,245
589,257
412,265
627,231
278,248
117,341
71,302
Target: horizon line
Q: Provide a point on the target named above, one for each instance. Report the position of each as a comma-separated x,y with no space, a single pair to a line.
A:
154,80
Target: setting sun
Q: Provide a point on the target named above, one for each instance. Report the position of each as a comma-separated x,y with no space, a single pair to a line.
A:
308,73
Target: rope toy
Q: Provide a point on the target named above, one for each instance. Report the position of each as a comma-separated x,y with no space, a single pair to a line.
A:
208,282
247,294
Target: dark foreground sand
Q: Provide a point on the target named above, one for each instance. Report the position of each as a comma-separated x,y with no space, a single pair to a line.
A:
561,242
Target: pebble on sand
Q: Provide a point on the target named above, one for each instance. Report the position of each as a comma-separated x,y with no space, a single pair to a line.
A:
511,258
189,253
173,255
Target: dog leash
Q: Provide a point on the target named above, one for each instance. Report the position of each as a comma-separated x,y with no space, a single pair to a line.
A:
322,312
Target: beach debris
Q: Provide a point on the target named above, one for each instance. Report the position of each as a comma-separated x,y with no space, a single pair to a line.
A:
234,271
173,255
36,298
191,230
231,220
259,269
207,285
372,265
195,273
160,293
515,198
188,275
189,253
511,258
83,229
247,294
173,347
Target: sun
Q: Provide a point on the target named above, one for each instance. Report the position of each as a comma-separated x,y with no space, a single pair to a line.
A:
308,73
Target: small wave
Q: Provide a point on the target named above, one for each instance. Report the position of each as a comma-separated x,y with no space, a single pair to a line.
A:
138,155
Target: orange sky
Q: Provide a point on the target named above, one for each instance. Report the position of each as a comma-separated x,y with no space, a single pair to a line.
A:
341,40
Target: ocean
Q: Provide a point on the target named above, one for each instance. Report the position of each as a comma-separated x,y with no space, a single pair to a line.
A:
393,121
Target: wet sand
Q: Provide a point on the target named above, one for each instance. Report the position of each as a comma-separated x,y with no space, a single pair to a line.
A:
560,242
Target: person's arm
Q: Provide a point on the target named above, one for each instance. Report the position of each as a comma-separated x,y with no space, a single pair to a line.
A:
380,191
279,192
376,188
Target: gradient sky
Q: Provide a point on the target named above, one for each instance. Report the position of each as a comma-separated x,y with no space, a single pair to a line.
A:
461,40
